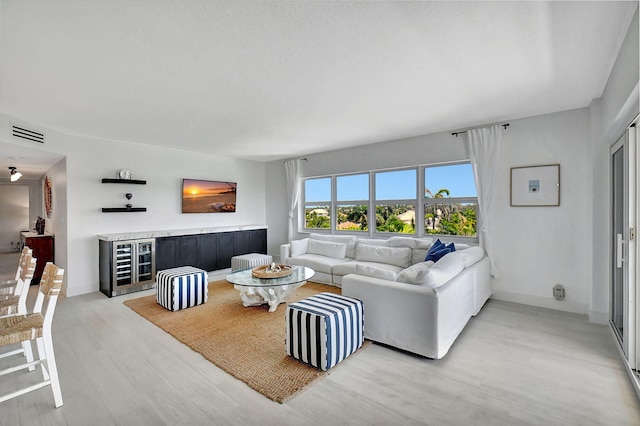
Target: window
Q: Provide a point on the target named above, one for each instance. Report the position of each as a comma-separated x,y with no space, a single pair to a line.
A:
395,201
352,202
317,203
450,200
421,200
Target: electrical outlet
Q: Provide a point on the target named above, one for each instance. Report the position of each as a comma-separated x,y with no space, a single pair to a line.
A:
558,292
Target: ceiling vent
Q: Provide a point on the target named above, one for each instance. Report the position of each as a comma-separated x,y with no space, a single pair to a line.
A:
24,133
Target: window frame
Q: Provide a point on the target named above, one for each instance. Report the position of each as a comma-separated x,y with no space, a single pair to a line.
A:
419,203
310,204
339,203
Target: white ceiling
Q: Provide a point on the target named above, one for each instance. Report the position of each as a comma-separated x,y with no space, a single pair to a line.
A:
266,80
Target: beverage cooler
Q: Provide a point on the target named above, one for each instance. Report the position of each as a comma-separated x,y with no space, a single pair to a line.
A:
127,266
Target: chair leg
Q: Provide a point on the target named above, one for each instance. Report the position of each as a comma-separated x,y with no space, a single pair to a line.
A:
28,353
53,369
42,355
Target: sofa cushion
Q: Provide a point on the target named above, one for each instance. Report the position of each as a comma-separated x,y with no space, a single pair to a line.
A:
414,243
372,242
298,247
471,256
448,267
415,274
399,256
327,248
317,262
418,255
372,271
349,240
347,268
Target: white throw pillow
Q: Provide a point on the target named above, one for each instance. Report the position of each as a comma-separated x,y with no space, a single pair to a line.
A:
372,271
349,240
327,248
414,274
399,256
299,247
471,256
419,255
444,269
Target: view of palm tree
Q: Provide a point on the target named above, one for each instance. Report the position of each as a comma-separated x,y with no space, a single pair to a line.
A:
442,216
447,218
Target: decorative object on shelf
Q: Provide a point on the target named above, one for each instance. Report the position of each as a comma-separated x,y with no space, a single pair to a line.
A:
124,175
128,207
48,198
40,226
272,271
535,186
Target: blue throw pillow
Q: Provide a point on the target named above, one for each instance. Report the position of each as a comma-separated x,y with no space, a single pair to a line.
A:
438,245
440,253
451,247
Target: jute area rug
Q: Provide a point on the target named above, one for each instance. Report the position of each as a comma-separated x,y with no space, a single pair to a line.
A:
248,343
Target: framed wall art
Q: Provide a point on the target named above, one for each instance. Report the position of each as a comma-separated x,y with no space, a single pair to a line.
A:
535,186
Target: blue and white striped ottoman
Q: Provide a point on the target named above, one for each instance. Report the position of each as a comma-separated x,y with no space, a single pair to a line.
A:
251,260
324,329
180,288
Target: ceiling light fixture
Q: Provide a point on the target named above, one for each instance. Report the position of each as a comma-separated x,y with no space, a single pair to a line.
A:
15,175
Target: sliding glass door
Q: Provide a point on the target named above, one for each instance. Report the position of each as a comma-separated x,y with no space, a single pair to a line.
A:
624,309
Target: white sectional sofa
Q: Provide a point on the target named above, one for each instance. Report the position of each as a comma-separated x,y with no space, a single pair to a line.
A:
409,303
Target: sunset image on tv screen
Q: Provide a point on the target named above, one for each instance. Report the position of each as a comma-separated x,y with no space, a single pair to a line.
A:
205,196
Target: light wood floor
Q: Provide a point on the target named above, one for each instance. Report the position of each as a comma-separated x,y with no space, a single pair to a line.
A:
512,365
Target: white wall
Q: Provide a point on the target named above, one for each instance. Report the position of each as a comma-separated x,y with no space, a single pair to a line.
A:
538,247
89,160
14,214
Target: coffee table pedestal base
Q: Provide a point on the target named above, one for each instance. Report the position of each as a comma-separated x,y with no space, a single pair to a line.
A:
272,296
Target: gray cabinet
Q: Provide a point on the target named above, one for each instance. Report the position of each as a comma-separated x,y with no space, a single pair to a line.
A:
210,252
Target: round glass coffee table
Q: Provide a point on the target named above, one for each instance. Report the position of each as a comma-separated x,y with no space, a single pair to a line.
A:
272,291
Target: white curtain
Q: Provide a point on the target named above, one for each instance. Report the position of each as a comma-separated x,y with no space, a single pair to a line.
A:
292,169
484,150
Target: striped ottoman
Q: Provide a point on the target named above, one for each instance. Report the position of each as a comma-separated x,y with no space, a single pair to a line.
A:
324,329
250,260
181,288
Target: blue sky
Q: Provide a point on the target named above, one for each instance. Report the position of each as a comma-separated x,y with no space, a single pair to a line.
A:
399,184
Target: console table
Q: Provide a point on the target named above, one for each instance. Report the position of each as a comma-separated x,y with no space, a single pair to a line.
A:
43,250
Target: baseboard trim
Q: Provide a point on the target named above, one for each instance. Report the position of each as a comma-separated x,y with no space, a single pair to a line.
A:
541,302
597,317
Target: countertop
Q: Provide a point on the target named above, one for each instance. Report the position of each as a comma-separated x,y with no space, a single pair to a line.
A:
176,232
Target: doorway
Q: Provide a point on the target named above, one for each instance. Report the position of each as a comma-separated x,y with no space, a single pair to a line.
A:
624,305
14,215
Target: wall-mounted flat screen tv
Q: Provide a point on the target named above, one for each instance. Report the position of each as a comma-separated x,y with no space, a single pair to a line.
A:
208,196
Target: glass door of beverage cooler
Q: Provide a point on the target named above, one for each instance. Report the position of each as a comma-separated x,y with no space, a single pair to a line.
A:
123,264
133,264
145,266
